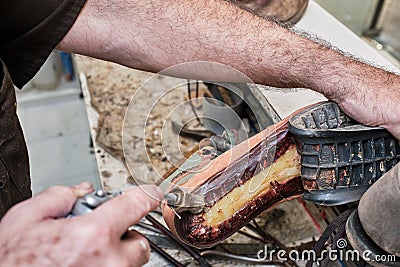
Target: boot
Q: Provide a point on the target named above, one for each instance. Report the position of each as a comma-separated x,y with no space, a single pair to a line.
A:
340,158
380,213
376,224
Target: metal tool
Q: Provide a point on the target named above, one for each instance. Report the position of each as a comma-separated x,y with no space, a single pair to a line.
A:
220,143
177,198
89,202
184,201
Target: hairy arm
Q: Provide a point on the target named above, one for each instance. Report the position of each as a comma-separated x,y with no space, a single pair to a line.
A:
154,35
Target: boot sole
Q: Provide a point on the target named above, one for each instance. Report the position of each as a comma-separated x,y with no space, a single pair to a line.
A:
334,197
340,158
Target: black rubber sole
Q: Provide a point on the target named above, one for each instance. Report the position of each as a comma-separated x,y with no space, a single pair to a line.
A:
361,242
337,153
334,197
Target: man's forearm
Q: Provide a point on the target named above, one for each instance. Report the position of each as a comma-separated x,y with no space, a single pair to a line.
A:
153,35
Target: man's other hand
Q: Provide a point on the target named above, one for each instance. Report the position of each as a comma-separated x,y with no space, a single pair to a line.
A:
36,233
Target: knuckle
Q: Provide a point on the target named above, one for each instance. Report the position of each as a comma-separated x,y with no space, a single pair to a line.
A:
13,211
95,231
13,215
102,231
144,246
146,254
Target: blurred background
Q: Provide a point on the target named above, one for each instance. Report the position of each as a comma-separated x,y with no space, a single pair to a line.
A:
376,21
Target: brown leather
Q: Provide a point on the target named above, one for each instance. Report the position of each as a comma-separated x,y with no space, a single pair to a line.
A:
15,183
218,165
379,211
285,11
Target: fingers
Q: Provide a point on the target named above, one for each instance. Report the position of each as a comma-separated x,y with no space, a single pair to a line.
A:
120,213
136,248
54,202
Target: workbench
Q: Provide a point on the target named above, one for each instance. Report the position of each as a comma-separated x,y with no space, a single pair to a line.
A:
316,20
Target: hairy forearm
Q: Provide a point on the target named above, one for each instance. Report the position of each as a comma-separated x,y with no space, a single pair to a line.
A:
153,35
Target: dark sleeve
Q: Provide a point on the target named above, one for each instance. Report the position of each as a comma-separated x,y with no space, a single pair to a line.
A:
30,30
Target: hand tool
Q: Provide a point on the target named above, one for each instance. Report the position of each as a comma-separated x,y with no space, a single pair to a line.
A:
176,198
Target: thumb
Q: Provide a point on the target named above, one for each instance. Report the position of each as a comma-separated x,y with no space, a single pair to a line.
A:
54,202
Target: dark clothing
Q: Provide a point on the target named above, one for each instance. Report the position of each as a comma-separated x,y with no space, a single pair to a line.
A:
15,184
29,32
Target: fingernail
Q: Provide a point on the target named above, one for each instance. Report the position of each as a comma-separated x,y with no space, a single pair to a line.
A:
84,185
143,244
83,189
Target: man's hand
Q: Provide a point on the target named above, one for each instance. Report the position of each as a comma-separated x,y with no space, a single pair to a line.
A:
376,108
36,232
